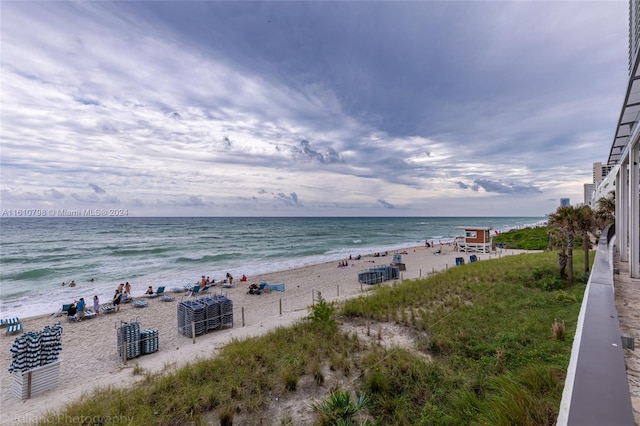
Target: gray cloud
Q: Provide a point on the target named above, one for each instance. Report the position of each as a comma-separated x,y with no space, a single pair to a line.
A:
290,200
386,204
201,109
54,194
304,150
505,188
97,189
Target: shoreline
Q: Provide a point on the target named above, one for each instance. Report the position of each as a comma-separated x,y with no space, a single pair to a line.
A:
89,358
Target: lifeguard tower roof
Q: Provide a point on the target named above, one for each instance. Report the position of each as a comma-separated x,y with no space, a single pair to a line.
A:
478,228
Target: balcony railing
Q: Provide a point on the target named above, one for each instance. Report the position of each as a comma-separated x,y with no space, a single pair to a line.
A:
596,390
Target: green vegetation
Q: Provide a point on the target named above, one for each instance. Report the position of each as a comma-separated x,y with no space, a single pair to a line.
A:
490,345
524,239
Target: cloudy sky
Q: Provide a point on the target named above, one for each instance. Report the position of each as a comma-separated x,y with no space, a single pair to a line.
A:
308,108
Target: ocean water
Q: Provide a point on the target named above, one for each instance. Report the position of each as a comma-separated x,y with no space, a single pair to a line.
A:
37,255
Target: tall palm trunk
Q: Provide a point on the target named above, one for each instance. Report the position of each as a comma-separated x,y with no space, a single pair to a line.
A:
570,259
586,246
562,263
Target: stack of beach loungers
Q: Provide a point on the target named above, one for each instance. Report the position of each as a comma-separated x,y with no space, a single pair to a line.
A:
133,342
36,348
35,366
129,340
378,274
149,341
191,312
206,313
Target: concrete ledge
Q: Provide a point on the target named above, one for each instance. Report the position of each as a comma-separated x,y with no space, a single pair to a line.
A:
596,390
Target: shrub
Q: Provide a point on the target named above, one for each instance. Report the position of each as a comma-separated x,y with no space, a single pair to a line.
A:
323,314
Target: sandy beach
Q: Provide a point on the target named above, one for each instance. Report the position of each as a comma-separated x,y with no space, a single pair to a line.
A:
89,357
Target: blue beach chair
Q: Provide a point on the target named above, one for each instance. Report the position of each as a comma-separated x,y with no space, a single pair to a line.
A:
12,329
10,321
195,290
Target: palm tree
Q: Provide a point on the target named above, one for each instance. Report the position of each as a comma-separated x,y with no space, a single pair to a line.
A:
585,225
564,223
606,210
557,240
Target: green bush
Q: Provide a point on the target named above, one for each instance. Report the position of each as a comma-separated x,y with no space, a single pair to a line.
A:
524,239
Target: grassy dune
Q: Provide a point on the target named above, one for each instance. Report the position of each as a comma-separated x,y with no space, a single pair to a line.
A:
490,344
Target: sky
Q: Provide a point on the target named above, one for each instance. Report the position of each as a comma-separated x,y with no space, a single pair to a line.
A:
291,108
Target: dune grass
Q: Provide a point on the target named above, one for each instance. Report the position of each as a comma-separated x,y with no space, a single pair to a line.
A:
491,329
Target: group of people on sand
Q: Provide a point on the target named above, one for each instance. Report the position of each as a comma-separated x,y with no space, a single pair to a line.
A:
227,282
122,295
79,308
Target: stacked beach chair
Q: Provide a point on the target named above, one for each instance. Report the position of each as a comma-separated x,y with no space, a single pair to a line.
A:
378,274
35,365
191,312
149,341
204,314
129,340
133,342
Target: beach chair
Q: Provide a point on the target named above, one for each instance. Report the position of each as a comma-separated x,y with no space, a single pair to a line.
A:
195,290
108,309
139,304
160,291
459,261
15,328
473,258
10,321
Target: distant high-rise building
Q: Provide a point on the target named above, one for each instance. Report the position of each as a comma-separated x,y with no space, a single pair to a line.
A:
589,189
565,202
600,171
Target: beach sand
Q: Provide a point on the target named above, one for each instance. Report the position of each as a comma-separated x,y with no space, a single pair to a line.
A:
89,357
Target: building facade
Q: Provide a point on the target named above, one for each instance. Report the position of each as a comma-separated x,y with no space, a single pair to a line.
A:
624,157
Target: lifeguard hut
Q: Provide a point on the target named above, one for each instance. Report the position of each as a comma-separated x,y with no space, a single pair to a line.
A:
476,239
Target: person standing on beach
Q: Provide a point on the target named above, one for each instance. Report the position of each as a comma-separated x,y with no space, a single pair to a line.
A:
229,278
96,305
80,308
116,300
